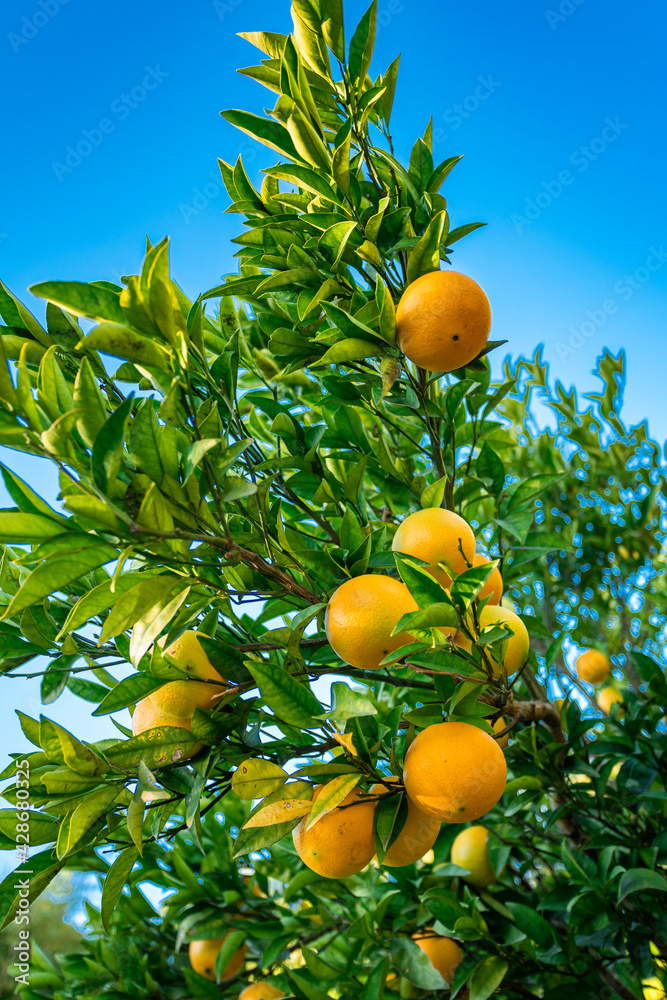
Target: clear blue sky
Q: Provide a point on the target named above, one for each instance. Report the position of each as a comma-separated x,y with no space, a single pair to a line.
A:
526,90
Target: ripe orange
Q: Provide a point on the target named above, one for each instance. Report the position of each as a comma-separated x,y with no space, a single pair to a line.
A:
469,851
361,616
443,321
514,650
180,698
498,727
342,842
204,953
418,835
148,716
493,588
260,991
434,534
593,666
454,771
444,953
608,697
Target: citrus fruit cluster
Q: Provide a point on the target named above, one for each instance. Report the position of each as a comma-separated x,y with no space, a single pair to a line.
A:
363,613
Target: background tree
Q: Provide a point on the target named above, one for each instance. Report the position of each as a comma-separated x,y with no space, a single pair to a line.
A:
266,451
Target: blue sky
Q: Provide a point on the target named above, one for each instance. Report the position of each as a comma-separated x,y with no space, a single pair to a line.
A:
557,106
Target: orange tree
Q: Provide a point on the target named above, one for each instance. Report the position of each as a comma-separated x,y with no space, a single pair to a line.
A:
251,455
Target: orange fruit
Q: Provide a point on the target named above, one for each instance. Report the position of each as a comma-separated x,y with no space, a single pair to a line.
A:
204,953
444,953
454,771
180,698
260,991
498,727
342,842
608,697
434,534
443,321
469,851
514,650
593,666
147,715
361,616
493,588
418,835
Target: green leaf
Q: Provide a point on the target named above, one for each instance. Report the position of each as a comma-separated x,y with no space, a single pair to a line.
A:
155,747
73,752
335,239
136,602
389,84
640,880
331,795
332,26
82,299
304,178
55,679
85,816
89,400
532,924
361,46
257,838
127,692
487,977
269,133
27,500
467,585
441,173
58,572
350,350
421,165
490,466
151,447
96,601
461,231
20,528
156,619
35,874
291,701
43,829
425,257
29,728
349,703
529,488
107,443
114,882
423,587
434,493
415,965
123,342
256,778
442,615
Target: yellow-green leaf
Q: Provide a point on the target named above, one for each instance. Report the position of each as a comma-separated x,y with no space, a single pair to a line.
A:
256,778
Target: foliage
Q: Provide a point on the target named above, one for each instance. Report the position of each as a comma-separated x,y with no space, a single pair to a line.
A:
239,466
